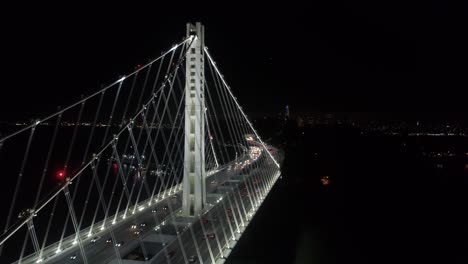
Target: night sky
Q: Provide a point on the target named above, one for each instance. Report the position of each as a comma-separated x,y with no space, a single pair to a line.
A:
344,56
394,59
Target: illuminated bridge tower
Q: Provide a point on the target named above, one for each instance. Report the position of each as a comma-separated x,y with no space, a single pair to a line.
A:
194,193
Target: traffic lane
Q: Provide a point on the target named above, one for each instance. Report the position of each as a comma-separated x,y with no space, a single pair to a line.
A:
204,244
99,250
50,252
123,236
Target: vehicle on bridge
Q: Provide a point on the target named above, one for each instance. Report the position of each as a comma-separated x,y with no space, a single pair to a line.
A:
192,259
325,180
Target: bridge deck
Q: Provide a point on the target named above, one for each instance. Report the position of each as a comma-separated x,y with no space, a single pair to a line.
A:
157,233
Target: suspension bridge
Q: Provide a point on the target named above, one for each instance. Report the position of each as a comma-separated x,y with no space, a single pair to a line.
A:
160,166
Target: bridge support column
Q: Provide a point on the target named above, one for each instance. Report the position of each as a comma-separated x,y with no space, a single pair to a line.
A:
194,193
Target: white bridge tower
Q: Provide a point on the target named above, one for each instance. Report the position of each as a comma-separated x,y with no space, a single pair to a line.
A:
194,192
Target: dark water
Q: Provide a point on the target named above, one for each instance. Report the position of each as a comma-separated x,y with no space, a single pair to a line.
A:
386,203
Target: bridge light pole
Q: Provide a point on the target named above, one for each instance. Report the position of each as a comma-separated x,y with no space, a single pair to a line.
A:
194,192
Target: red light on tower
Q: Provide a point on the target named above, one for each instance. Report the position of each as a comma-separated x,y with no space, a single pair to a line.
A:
60,174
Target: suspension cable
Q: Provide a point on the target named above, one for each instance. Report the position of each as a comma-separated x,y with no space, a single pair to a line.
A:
235,100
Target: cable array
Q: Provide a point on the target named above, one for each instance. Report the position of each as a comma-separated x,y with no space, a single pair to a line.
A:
99,181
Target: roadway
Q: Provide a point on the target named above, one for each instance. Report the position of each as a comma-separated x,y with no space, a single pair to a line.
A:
163,236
